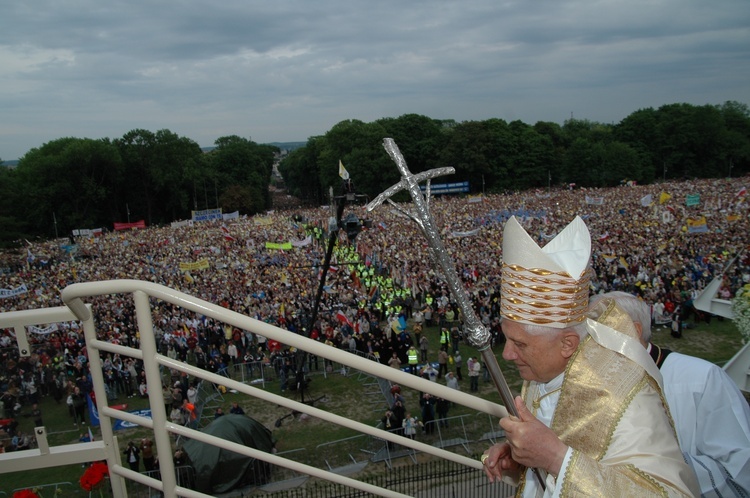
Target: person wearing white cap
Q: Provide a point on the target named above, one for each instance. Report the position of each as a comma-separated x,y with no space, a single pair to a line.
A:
591,416
711,416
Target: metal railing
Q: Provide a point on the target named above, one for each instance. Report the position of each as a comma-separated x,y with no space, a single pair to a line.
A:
107,449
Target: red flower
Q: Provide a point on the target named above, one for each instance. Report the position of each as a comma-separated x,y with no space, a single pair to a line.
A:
25,493
94,476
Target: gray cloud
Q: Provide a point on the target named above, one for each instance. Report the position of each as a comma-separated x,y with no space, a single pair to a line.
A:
288,70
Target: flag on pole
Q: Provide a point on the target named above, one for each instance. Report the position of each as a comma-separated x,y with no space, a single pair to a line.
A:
697,225
227,235
646,200
664,197
343,319
343,173
742,192
692,200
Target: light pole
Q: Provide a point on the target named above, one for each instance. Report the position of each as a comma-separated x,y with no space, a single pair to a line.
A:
353,226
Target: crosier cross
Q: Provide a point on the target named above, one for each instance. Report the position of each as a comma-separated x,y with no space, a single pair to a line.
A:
478,335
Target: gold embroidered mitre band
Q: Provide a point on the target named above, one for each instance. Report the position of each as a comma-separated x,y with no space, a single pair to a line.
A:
545,286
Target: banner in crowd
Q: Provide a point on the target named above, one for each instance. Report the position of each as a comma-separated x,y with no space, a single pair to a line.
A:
505,214
664,197
282,246
93,412
181,224
692,200
596,201
88,232
18,291
123,424
198,265
733,217
263,220
231,216
646,200
469,233
697,225
447,188
206,214
43,331
302,243
475,198
128,226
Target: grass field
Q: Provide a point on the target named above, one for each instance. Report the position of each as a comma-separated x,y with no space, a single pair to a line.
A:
716,342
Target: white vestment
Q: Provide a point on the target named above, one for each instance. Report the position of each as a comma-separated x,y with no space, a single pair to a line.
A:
611,413
712,419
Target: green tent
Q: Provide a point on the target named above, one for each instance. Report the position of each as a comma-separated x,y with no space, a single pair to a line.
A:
218,470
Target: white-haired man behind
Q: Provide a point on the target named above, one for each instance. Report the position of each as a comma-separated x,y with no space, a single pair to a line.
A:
711,416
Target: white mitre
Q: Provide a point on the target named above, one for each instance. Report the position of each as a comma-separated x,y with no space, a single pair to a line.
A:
546,286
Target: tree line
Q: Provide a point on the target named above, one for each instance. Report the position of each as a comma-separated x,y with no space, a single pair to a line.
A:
673,141
76,183
72,183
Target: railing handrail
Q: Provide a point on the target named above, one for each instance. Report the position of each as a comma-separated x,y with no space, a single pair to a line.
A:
142,291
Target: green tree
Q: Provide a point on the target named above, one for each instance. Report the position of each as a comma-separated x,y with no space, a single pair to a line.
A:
532,158
359,146
554,133
480,151
419,138
736,152
12,206
301,172
240,162
161,169
68,184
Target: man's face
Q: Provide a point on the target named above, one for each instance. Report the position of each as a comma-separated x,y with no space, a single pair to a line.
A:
538,357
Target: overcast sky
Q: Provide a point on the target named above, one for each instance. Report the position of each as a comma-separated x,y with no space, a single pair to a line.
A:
281,70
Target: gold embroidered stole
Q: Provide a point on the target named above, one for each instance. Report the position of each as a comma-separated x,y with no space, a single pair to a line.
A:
599,385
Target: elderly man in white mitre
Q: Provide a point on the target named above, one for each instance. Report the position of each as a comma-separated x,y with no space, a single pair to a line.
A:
592,420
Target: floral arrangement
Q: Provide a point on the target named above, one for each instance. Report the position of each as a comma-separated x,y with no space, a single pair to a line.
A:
36,492
94,476
741,310
26,493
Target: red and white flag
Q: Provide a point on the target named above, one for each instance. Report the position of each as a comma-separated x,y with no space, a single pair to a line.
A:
227,235
342,318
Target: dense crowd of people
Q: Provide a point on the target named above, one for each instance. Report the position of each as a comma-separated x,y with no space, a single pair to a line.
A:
381,290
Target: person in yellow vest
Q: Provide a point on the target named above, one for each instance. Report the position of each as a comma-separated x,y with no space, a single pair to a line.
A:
413,359
445,338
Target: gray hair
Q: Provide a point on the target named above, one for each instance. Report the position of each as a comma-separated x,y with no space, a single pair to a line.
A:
638,310
578,328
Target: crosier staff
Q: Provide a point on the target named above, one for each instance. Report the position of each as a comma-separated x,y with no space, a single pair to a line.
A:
478,335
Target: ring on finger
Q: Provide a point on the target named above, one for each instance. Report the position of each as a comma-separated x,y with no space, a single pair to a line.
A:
483,458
